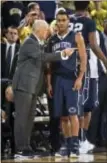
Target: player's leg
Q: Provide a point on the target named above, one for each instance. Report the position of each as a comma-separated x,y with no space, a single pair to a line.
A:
82,102
71,105
65,126
58,109
92,103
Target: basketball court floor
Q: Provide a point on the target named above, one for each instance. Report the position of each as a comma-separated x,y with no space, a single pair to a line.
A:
90,158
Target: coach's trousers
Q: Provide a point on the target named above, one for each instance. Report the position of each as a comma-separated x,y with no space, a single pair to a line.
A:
25,105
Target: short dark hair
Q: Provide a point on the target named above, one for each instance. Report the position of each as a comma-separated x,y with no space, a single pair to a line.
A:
12,27
61,12
31,5
81,5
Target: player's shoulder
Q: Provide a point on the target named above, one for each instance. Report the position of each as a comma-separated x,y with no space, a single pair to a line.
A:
88,19
90,22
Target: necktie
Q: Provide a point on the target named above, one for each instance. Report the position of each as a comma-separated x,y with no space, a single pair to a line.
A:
8,60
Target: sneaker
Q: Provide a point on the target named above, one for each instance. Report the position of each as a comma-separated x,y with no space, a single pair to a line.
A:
62,152
19,156
26,154
74,155
85,147
86,158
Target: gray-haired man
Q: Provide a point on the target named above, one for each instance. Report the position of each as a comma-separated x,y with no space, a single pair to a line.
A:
27,83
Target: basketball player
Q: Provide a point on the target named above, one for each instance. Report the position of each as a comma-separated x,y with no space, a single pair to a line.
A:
65,81
81,23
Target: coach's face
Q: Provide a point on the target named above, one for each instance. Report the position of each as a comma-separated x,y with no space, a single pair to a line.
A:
44,32
62,22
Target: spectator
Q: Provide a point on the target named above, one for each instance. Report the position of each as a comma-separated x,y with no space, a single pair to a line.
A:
26,28
9,60
99,14
42,15
12,12
69,6
12,37
31,7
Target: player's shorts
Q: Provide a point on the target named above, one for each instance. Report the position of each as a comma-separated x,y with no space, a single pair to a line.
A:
93,96
65,100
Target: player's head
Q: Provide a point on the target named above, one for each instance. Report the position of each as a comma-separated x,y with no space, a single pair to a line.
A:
62,21
81,5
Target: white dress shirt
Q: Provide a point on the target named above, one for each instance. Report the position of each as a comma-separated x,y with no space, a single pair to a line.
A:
13,51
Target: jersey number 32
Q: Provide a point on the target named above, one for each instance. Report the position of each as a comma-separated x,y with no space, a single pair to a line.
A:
78,27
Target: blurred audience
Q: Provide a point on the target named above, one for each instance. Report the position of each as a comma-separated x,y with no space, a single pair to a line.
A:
12,13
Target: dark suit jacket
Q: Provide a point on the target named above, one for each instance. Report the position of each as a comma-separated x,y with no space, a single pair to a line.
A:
5,83
3,61
29,71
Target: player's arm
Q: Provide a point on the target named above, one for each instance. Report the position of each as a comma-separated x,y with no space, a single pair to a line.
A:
83,60
96,49
91,27
48,79
82,54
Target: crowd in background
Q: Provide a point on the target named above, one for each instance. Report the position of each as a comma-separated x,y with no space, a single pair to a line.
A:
17,19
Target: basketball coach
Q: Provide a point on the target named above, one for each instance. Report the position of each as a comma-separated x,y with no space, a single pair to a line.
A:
28,80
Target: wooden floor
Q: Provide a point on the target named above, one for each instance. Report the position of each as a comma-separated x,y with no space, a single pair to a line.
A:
90,158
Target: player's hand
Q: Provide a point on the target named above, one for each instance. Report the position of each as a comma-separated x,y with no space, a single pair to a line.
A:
77,84
68,52
49,90
9,94
28,17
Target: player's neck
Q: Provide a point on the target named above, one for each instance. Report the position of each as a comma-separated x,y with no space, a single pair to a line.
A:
80,13
63,33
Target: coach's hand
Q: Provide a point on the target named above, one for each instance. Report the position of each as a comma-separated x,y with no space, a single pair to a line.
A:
77,84
68,52
49,90
9,94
